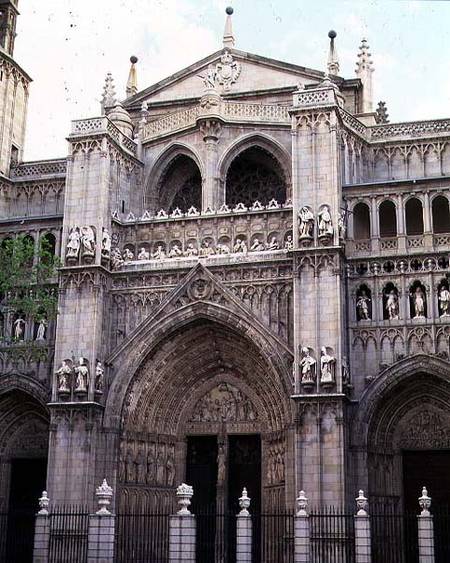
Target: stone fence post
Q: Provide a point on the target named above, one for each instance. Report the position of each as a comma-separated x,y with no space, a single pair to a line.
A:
244,531
362,531
425,529
301,531
42,531
102,528
182,529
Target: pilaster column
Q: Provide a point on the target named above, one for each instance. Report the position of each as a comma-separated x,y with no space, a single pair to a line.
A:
211,129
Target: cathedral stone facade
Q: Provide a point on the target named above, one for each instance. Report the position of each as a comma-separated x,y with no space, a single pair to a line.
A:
254,290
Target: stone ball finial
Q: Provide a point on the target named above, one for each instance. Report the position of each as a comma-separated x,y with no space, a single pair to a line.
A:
133,59
332,34
229,10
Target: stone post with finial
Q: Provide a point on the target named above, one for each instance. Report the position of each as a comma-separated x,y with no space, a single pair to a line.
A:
132,88
425,529
301,530
362,531
228,37
244,530
102,527
182,528
42,531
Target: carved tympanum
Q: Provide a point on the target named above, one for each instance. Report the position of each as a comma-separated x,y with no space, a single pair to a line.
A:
224,403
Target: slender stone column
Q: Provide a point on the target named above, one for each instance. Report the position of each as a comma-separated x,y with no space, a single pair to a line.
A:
301,531
244,531
425,529
182,529
102,528
42,531
362,531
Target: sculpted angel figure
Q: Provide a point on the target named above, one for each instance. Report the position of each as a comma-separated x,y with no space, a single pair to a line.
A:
42,327
326,366
87,241
19,328
306,222
362,306
82,376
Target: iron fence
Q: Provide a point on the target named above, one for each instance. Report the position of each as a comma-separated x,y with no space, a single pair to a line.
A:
69,528
16,536
441,520
394,536
332,534
141,538
273,537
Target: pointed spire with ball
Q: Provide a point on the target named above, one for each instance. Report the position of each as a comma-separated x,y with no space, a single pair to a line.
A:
228,37
333,59
132,78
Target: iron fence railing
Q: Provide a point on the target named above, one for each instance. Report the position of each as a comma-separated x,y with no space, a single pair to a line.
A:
69,528
441,520
142,537
394,536
332,536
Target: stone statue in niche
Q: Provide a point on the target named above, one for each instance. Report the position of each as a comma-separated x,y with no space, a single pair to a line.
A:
327,365
325,225
308,367
143,254
42,329
418,299
362,306
87,243
444,301
190,250
116,259
170,471
151,465
257,245
19,328
224,403
106,244
273,244
81,376
289,243
140,466
127,255
342,224
175,251
130,467
206,249
306,223
159,253
64,373
73,244
221,465
99,378
392,305
160,466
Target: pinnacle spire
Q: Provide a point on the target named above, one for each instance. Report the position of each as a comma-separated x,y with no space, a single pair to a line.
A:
333,60
132,78
364,70
228,37
109,94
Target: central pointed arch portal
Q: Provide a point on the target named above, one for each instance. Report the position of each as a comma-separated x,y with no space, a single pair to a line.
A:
208,406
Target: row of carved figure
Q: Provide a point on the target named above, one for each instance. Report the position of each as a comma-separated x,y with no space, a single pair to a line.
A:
327,368
206,249
325,229
417,297
75,377
81,241
155,468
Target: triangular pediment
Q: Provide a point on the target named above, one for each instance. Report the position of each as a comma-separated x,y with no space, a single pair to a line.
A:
252,73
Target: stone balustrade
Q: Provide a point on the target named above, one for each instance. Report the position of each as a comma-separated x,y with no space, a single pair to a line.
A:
39,169
99,126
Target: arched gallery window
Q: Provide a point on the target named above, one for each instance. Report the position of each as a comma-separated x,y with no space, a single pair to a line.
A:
361,221
441,215
180,185
255,175
388,219
414,216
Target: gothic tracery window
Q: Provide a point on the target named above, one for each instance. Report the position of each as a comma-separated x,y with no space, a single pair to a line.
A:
255,175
